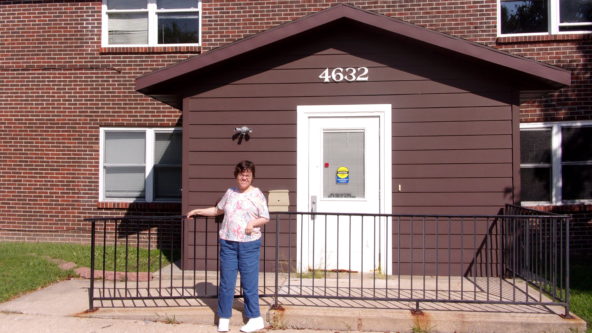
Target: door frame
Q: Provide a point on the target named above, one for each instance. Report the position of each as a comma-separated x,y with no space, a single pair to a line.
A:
382,111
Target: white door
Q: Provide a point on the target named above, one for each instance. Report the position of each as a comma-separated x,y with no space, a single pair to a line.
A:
345,167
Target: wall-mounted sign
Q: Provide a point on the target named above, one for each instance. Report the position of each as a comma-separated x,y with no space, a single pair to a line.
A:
342,175
340,74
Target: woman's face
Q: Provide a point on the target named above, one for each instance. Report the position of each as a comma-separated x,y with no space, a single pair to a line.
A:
244,180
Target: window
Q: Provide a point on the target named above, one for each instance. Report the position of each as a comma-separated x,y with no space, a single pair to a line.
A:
527,17
535,168
556,163
151,22
140,164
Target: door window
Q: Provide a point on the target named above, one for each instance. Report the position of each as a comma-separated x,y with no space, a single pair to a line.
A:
343,164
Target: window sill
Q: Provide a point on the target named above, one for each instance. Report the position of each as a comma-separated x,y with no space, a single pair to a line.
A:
564,208
150,49
542,38
149,206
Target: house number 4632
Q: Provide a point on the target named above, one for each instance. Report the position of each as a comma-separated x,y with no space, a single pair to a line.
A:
340,74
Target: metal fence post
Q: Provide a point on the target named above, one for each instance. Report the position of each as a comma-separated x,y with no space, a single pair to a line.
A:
567,315
277,261
91,290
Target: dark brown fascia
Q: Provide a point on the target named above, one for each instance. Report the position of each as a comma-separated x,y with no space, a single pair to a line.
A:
552,76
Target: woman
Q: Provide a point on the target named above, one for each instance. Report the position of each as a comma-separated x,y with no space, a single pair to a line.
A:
245,211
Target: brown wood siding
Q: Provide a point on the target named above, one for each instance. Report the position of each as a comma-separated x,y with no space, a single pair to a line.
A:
452,130
449,121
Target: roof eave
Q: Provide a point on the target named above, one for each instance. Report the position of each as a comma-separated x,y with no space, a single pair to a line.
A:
242,46
555,77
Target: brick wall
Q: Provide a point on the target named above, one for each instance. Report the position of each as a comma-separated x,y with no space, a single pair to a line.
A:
572,52
227,21
58,87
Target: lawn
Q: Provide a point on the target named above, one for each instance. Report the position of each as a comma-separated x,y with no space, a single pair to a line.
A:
28,266
22,271
581,292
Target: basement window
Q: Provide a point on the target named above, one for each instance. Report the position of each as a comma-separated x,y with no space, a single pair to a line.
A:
140,165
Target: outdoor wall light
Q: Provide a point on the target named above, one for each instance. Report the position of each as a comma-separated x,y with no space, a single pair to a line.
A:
242,132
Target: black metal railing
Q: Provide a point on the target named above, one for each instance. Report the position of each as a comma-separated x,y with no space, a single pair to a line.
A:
543,245
513,258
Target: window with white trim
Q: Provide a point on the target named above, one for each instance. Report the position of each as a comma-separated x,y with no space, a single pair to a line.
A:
541,17
556,163
151,22
140,164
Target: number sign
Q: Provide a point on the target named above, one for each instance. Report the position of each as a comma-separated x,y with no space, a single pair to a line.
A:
340,74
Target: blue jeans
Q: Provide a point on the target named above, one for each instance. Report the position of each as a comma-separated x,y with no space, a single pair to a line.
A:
240,257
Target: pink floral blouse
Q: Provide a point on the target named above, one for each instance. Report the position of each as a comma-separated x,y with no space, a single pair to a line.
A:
239,209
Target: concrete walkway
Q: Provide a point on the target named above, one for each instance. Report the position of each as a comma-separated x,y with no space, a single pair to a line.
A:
62,308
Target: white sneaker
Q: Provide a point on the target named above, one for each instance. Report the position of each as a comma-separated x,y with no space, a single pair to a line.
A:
254,324
223,324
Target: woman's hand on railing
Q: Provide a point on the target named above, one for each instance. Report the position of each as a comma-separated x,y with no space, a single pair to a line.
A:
210,211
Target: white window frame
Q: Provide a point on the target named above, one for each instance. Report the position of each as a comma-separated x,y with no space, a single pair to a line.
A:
153,12
556,161
554,23
149,156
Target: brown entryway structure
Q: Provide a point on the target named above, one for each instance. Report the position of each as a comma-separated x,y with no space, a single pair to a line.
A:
453,127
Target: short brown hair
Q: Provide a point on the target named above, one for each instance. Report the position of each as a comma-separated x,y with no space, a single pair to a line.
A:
243,166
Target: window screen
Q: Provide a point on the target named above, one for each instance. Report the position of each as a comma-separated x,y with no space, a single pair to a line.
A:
576,144
575,15
167,166
535,146
176,4
127,4
577,182
535,171
576,170
535,184
128,28
124,164
124,182
178,28
524,16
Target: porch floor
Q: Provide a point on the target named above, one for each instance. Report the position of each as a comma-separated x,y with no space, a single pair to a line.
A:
316,309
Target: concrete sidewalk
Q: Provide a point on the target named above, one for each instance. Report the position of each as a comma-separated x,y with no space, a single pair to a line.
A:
62,308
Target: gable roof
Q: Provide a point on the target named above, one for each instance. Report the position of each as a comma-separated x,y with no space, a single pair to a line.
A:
549,77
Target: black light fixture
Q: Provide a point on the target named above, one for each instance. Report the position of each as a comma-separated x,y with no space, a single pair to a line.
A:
242,132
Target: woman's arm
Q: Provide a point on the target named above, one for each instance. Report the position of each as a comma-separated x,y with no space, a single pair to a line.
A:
263,213
255,224
210,211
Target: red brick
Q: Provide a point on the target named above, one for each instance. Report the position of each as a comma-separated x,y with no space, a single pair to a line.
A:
60,86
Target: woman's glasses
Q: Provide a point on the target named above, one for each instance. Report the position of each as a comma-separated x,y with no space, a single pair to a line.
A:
246,175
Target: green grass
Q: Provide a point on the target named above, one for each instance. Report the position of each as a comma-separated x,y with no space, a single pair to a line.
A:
27,266
20,271
137,259
581,292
